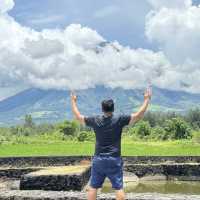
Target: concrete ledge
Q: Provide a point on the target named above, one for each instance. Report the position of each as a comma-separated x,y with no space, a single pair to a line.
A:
16,172
171,169
52,195
57,179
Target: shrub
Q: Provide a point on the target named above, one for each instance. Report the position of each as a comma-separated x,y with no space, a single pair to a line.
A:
68,128
143,129
177,128
158,133
196,136
193,117
85,136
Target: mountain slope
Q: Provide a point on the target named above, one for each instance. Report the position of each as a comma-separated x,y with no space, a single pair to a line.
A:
54,105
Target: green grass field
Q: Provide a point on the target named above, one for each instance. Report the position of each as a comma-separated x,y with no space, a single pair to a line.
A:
169,148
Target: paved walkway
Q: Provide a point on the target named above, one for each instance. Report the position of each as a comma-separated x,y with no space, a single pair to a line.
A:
52,195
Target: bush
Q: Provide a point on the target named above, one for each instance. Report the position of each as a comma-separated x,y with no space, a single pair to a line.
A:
196,136
193,117
143,129
44,128
68,128
158,133
177,128
85,136
151,118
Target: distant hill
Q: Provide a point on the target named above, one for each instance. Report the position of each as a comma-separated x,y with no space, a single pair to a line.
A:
54,105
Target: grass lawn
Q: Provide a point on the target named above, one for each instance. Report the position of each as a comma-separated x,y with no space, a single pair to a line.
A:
169,148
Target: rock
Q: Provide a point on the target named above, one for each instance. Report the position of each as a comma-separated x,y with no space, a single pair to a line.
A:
167,169
184,178
130,177
154,177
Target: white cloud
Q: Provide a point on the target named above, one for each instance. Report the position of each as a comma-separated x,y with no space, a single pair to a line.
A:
78,58
42,48
6,5
177,33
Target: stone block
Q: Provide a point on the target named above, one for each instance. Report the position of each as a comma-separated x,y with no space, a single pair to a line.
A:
57,178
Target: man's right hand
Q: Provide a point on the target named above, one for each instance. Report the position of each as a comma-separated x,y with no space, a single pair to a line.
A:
147,94
73,97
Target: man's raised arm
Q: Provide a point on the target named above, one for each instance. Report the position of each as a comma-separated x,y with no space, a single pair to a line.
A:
139,115
75,110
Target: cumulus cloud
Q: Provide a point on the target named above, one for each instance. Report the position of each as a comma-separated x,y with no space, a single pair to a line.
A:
78,57
177,33
74,58
42,48
6,5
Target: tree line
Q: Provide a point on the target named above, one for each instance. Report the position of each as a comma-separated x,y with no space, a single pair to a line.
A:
154,126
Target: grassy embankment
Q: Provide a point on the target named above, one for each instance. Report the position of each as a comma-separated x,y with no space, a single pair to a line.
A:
129,148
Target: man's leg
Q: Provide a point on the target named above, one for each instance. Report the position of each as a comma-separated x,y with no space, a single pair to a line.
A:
115,174
91,193
120,195
97,177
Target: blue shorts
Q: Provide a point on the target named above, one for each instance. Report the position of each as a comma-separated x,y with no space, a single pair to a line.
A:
107,166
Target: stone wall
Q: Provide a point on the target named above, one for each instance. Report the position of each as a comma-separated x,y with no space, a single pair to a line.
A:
41,161
169,170
55,182
68,160
16,173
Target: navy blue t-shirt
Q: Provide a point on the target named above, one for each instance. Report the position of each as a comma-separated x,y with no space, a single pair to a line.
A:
108,132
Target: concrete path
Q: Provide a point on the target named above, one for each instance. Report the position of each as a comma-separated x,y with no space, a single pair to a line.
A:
52,195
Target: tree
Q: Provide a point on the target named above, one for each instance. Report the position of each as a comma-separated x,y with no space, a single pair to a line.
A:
193,117
85,136
68,128
177,128
159,133
143,129
28,122
151,118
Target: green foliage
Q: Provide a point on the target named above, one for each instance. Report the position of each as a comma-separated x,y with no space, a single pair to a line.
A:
143,129
28,122
68,128
196,136
85,136
158,133
152,118
193,117
45,128
177,128
155,126
159,118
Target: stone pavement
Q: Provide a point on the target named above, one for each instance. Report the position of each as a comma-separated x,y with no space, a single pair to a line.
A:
52,195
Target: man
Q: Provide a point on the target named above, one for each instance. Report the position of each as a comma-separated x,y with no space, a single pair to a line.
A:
107,161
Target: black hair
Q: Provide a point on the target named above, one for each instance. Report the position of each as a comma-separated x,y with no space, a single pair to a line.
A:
107,105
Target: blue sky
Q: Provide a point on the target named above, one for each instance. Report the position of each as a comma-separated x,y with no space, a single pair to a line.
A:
119,20
123,21
163,46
